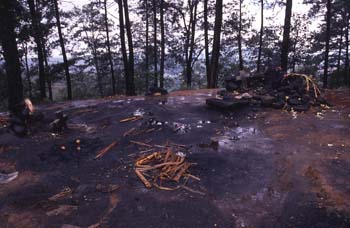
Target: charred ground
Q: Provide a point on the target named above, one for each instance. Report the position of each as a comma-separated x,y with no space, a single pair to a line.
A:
265,168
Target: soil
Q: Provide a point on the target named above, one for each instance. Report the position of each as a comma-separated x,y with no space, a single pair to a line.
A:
257,167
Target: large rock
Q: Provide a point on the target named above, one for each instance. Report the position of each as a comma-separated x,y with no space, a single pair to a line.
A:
226,104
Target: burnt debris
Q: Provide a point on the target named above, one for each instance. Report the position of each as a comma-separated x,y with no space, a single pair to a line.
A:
274,88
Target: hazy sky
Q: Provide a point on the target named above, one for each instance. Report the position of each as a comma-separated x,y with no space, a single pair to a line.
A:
251,9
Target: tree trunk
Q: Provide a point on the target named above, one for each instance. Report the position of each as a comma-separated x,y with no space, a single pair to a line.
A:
130,86
206,42
328,35
147,46
97,67
295,50
10,53
122,39
261,35
37,39
340,48
47,73
347,73
63,49
25,48
109,52
286,36
155,42
240,37
192,26
214,67
162,45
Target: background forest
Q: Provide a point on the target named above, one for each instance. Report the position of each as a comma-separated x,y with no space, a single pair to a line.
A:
101,48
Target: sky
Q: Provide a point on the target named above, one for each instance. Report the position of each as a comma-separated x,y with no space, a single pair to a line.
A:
249,8
252,9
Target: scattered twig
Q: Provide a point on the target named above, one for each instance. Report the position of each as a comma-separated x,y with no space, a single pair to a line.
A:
105,150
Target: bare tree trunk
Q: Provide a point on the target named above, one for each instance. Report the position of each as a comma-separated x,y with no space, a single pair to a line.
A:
64,55
25,48
206,42
347,73
286,36
328,34
47,73
192,25
98,72
155,42
130,86
261,35
147,46
340,48
37,39
162,45
240,37
10,53
122,39
214,67
295,50
109,52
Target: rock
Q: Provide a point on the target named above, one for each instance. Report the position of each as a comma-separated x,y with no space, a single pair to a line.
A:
226,104
154,91
267,100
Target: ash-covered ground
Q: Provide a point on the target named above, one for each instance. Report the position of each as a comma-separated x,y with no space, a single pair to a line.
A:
258,167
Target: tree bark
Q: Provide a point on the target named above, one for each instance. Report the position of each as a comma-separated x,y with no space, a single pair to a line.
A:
47,73
25,48
328,34
206,42
286,36
340,48
122,39
37,40
63,49
214,67
347,73
261,35
240,37
162,45
10,53
155,42
192,26
130,86
147,47
109,52
295,49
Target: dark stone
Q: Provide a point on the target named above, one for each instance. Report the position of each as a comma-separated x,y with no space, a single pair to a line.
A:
301,108
59,124
156,90
226,104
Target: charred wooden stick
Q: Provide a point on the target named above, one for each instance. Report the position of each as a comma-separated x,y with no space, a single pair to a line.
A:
192,190
181,172
140,143
143,179
133,118
159,165
148,158
129,132
105,150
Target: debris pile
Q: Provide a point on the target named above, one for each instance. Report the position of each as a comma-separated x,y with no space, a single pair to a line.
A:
273,89
294,91
164,170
